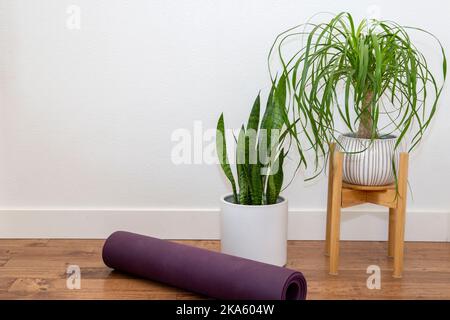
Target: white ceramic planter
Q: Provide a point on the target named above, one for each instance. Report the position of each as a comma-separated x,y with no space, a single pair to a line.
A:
367,162
255,232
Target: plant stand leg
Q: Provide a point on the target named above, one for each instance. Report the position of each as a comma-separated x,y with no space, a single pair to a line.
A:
400,216
391,239
335,212
329,199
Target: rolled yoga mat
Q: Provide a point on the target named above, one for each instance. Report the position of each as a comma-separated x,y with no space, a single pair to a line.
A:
210,273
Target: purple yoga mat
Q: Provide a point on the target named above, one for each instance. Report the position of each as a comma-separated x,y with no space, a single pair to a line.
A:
210,273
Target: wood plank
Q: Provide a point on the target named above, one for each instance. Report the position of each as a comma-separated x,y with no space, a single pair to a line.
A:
335,221
400,215
37,270
346,185
391,232
329,198
387,198
350,198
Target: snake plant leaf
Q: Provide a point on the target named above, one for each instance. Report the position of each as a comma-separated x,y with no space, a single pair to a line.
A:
256,184
278,105
242,169
265,132
266,122
244,188
256,188
275,180
280,92
250,136
272,120
253,166
279,176
221,149
253,119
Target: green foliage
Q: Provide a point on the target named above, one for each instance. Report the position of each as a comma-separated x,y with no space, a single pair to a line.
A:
259,152
221,147
370,76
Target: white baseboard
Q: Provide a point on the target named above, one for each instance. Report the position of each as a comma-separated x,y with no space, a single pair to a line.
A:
204,224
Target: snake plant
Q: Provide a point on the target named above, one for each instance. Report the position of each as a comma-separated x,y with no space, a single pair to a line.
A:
259,151
370,77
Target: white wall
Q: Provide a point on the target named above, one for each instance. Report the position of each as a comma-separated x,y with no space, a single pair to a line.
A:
86,115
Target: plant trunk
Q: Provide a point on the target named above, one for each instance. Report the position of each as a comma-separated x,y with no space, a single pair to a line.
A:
365,128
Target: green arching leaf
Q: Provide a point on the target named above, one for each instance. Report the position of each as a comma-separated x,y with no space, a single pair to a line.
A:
347,104
221,148
379,57
444,67
378,62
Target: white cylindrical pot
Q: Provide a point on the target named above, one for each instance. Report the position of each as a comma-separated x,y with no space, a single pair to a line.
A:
368,162
255,232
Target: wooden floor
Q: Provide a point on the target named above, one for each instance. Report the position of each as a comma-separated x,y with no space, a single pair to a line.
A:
36,269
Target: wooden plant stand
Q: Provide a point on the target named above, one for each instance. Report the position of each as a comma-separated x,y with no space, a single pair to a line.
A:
343,195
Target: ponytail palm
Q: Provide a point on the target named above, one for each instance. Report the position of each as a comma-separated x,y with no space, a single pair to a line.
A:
370,76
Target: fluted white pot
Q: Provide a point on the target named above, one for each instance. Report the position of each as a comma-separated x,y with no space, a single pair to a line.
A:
366,162
254,232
